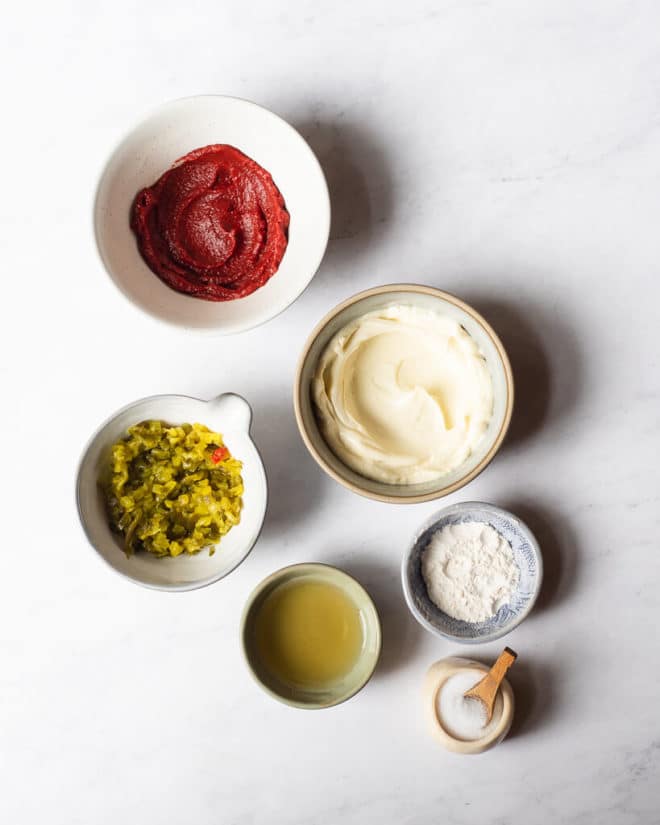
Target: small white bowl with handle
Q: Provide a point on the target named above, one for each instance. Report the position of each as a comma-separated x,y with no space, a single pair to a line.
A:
228,414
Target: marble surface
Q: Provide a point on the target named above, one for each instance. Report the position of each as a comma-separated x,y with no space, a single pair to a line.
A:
506,151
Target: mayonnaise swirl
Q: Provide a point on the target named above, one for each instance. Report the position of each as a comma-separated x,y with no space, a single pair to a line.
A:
403,395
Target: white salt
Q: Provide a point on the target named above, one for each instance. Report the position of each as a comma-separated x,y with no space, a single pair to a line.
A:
465,718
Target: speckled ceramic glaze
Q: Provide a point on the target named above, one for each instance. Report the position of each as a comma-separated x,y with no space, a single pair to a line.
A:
428,298
526,553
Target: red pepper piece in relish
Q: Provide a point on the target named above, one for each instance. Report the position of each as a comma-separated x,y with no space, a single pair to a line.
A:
219,455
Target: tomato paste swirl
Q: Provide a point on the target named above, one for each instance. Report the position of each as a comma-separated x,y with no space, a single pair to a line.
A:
214,226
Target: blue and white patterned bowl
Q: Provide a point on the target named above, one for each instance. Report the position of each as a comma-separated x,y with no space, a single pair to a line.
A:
527,555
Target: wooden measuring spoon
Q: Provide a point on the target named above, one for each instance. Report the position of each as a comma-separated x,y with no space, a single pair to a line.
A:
486,690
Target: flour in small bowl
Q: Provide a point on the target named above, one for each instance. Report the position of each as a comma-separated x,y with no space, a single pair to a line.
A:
469,571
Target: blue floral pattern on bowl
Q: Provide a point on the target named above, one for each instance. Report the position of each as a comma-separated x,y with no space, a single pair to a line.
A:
526,553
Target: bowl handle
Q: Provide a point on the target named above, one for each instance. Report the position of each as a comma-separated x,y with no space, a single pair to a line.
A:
233,408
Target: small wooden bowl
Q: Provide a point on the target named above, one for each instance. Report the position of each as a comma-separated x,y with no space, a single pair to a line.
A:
436,676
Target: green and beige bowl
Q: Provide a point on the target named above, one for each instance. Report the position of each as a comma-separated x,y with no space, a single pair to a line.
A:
321,694
425,297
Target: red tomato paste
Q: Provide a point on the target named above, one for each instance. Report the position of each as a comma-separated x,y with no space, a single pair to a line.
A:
213,226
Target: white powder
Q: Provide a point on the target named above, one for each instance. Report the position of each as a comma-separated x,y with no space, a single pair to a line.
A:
469,571
465,718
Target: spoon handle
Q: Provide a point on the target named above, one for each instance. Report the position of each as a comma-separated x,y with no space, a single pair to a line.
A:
487,688
503,662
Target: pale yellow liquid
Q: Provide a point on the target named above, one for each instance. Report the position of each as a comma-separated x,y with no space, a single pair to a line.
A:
308,633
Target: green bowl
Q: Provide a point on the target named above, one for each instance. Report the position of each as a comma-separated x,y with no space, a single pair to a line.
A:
337,692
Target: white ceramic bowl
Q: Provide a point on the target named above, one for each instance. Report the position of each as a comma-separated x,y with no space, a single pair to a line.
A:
228,414
526,554
167,134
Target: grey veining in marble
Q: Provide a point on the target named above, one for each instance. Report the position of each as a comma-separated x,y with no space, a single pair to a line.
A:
505,151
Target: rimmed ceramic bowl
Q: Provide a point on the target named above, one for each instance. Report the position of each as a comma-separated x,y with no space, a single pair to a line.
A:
428,298
228,414
527,556
434,681
353,682
151,148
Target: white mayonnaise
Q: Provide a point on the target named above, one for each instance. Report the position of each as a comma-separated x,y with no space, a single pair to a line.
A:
403,395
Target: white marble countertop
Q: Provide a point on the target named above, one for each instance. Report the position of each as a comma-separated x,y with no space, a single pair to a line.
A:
505,151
